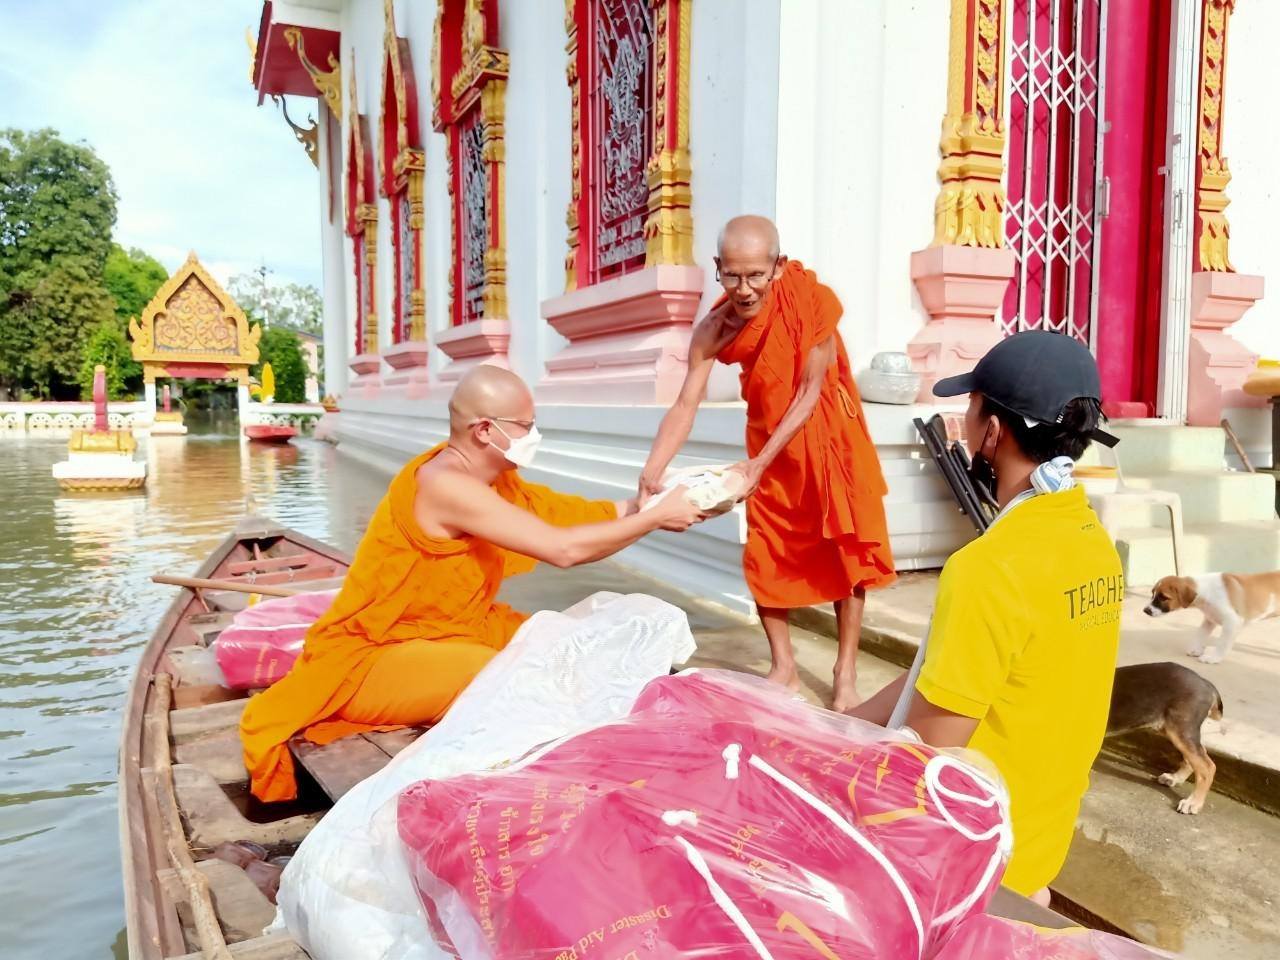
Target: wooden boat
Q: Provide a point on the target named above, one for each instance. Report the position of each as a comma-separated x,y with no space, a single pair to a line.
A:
183,786
270,432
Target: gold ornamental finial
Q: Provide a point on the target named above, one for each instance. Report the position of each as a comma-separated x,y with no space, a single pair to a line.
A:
253,52
328,84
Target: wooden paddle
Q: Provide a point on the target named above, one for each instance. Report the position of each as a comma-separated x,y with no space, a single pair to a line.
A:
198,583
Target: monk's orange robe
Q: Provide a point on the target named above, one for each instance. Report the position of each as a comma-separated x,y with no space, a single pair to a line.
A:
816,526
414,622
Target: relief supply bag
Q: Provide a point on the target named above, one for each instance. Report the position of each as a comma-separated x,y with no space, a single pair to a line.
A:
347,893
265,639
721,818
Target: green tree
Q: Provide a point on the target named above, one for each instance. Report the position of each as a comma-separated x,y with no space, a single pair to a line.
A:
57,208
293,305
279,347
132,277
110,347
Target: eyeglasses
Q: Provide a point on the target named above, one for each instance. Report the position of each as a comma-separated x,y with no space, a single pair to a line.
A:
527,424
756,280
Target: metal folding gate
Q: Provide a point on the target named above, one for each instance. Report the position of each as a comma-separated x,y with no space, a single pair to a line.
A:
1055,195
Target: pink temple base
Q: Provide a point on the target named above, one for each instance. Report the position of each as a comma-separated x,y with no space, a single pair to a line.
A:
961,288
628,337
409,373
1218,364
471,344
367,368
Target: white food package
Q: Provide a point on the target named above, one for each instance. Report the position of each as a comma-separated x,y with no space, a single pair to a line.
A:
710,489
347,893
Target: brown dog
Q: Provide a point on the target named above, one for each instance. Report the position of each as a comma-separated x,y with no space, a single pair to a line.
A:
1175,701
1231,601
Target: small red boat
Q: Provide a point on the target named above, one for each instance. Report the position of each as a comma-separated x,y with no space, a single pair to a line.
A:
270,432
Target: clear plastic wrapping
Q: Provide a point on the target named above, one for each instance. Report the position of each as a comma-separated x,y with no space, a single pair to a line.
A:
347,894
721,818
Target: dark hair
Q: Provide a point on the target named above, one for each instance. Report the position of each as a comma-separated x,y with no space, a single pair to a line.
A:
1069,437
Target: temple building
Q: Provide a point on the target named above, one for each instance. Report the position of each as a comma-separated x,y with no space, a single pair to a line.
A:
540,183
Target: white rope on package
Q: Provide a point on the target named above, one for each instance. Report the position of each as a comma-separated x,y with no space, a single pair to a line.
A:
995,797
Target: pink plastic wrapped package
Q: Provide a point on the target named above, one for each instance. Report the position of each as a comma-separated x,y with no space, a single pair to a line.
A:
264,640
720,819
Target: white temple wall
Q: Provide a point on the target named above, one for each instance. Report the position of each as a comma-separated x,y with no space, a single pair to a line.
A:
1251,145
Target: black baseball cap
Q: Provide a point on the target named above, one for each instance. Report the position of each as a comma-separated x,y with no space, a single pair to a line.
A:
1034,374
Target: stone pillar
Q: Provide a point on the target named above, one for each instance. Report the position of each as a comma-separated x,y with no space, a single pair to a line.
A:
149,397
963,275
1217,364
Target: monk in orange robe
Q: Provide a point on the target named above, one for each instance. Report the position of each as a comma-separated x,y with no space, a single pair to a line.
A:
416,618
816,528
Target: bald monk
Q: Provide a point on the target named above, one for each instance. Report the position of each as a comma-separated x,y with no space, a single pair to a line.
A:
416,618
815,521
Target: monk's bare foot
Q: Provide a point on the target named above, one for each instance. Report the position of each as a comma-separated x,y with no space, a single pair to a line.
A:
845,695
785,675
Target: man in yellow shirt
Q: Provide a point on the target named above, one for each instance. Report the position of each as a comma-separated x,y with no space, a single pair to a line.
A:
1021,652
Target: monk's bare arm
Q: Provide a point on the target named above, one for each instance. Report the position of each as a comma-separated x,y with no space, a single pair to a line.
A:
463,505
678,421
820,358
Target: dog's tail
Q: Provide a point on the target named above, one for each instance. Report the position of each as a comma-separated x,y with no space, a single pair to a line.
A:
1216,711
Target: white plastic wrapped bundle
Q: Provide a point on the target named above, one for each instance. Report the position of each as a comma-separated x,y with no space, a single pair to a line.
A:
347,893
711,489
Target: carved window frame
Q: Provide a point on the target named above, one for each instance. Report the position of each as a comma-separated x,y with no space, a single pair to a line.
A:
469,81
668,227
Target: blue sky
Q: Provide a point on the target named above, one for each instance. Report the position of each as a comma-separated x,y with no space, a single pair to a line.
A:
160,89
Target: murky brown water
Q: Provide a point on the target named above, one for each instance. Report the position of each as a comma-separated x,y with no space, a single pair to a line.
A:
76,604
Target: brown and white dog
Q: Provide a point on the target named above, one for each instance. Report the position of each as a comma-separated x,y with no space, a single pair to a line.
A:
1230,601
1170,699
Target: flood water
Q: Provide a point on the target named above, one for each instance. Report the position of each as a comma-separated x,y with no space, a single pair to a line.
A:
76,605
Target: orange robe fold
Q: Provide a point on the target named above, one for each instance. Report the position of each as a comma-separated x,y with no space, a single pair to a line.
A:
816,526
414,622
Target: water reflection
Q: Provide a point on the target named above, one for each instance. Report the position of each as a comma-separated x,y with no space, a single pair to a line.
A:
76,602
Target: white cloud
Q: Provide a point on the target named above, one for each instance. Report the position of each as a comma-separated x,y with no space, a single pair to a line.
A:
160,89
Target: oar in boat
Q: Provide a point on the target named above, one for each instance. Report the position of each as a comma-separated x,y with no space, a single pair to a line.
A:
236,586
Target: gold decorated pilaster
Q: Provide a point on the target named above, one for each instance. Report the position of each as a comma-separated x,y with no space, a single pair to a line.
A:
410,167
669,228
253,53
1212,201
576,147
493,111
970,207
327,83
436,39
367,214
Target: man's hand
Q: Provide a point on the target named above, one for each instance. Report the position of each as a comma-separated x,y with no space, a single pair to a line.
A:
650,485
676,513
751,471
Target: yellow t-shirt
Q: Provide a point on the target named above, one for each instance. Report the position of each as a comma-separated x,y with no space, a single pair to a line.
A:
1024,639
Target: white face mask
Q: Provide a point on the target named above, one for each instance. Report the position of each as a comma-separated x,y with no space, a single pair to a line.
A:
521,450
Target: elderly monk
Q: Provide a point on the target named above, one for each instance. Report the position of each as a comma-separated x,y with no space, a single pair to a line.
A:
815,521
416,619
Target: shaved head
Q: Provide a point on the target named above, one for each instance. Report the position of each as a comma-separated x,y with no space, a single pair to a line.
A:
488,392
749,235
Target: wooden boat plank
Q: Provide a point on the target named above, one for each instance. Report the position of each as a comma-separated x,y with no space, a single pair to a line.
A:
243,910
262,565
273,946
222,757
192,723
393,741
213,819
324,572
340,765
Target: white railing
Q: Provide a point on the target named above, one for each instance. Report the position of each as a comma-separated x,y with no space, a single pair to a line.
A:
300,415
59,419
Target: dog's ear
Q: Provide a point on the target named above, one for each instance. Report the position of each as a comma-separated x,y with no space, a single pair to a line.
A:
1184,588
